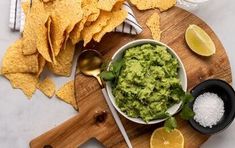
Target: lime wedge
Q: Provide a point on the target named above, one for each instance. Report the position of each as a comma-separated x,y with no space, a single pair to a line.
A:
199,41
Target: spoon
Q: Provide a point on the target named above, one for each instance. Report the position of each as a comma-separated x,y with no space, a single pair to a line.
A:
89,63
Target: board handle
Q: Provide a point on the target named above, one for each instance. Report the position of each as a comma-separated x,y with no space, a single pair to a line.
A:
79,129
116,118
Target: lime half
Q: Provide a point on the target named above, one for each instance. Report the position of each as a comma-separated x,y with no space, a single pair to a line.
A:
162,139
199,41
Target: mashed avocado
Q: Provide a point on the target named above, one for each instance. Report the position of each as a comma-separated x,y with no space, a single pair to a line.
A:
148,82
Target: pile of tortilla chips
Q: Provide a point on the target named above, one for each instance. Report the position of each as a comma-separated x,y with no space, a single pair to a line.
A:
52,28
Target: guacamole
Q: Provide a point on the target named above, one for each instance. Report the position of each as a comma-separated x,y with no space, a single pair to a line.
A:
148,82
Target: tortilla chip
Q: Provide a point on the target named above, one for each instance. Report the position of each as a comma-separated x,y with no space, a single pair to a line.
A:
48,25
75,16
118,5
153,23
29,42
144,4
25,6
90,14
14,61
162,5
93,17
51,50
50,6
29,38
42,43
47,86
66,15
46,1
24,81
65,41
66,93
41,65
91,9
64,60
116,19
75,35
38,22
106,5
95,27
34,30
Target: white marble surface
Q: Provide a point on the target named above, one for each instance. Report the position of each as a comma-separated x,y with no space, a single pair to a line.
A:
21,120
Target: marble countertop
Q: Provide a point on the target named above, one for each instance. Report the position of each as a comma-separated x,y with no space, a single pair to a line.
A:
22,120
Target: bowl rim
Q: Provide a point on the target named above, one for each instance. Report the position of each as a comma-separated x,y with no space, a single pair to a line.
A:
207,130
136,43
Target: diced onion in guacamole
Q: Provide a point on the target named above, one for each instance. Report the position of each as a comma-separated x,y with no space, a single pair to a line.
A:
148,82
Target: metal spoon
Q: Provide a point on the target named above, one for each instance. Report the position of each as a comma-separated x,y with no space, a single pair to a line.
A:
89,63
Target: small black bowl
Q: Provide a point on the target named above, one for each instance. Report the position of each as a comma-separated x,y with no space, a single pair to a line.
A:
226,93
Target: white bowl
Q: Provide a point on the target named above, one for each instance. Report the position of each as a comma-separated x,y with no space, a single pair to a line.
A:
182,75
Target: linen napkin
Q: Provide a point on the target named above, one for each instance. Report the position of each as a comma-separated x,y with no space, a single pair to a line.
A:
17,19
15,15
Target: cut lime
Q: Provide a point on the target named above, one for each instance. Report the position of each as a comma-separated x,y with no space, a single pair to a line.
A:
199,41
162,139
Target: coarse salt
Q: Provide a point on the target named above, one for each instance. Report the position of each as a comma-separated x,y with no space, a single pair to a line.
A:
209,109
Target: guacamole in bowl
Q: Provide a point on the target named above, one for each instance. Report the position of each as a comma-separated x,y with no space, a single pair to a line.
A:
150,83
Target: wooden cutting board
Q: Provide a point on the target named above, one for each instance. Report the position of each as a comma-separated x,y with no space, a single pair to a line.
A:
92,122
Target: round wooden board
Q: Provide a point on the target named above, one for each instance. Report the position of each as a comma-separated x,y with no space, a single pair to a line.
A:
90,100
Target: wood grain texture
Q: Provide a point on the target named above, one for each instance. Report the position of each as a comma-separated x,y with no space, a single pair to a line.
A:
82,127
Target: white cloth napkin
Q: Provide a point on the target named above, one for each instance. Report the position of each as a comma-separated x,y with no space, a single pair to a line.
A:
15,15
17,19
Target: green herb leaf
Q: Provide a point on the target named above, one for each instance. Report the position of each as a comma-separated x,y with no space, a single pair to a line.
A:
105,64
186,112
187,98
161,115
116,67
113,72
170,124
107,75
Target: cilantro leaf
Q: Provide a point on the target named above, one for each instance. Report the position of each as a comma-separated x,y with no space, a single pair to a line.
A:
187,98
107,75
186,112
170,124
105,65
116,67
113,72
